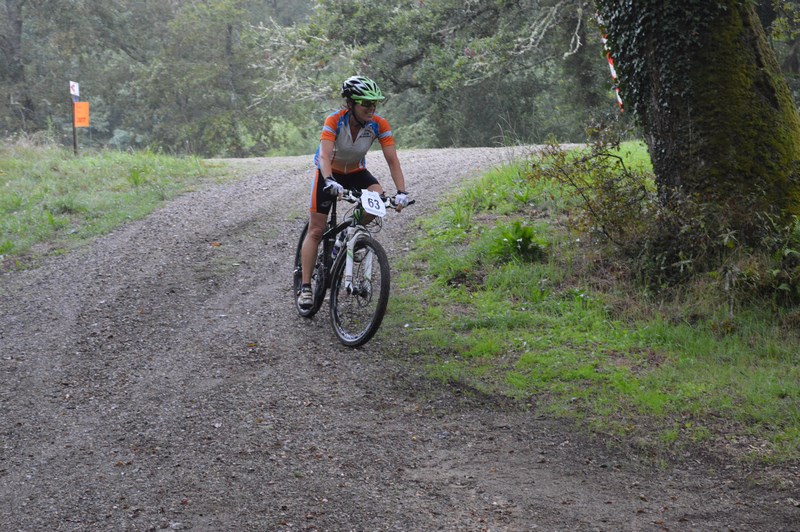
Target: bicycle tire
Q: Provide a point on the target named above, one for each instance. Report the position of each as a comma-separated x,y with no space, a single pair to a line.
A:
357,314
317,278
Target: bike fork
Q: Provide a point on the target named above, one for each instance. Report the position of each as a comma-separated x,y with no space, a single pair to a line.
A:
366,263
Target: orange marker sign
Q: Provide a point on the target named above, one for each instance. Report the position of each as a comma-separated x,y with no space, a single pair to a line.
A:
81,114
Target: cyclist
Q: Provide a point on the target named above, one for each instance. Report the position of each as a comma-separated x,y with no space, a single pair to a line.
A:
340,160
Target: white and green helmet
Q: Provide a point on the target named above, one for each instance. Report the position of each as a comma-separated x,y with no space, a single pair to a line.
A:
361,88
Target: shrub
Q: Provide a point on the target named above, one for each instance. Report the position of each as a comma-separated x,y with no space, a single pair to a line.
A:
517,241
670,241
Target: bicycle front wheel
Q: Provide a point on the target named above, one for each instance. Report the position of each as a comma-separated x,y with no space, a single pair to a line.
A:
358,304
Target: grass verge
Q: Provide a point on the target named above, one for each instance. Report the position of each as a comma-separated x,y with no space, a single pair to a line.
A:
497,294
52,200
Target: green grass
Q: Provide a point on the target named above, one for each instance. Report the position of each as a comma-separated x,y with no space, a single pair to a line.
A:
52,199
635,156
553,329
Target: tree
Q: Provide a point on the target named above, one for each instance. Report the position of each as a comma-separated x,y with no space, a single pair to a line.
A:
11,27
781,19
460,73
714,107
171,74
196,88
42,52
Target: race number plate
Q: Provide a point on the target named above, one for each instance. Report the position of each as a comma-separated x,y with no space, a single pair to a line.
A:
372,203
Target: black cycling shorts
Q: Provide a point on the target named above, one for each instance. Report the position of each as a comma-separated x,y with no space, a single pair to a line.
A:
321,202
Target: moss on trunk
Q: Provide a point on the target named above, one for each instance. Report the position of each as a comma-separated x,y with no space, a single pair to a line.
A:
704,84
744,130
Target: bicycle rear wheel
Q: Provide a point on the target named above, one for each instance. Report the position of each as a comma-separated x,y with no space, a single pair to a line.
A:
357,307
317,278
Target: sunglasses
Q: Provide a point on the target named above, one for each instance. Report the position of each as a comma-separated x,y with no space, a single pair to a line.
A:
366,103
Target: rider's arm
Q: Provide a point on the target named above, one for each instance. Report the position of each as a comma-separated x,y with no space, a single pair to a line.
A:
325,156
390,153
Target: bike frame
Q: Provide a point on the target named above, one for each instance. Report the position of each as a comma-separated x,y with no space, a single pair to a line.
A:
328,239
354,231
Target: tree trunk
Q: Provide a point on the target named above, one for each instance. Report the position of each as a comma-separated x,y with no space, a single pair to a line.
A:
716,111
11,48
11,40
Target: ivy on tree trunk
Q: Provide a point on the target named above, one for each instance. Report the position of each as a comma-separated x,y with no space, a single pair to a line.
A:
716,111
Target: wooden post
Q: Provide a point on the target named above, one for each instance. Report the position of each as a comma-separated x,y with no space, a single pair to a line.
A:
74,132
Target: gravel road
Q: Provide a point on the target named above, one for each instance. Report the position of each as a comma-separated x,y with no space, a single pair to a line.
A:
159,378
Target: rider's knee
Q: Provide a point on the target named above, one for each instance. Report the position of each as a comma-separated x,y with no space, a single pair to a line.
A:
315,233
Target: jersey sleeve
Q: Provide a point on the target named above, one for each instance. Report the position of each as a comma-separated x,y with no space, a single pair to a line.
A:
385,136
330,127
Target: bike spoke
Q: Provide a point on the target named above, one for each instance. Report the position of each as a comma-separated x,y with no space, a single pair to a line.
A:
357,308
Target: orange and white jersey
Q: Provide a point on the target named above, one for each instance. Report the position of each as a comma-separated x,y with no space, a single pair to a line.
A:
349,154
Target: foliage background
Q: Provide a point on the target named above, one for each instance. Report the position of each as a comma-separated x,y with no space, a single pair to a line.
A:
246,78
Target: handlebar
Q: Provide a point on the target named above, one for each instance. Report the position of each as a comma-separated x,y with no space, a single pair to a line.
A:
353,195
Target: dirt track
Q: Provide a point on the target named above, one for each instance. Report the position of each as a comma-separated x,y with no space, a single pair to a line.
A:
160,379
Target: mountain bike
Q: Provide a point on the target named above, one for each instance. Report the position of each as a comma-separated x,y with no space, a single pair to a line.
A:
353,265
